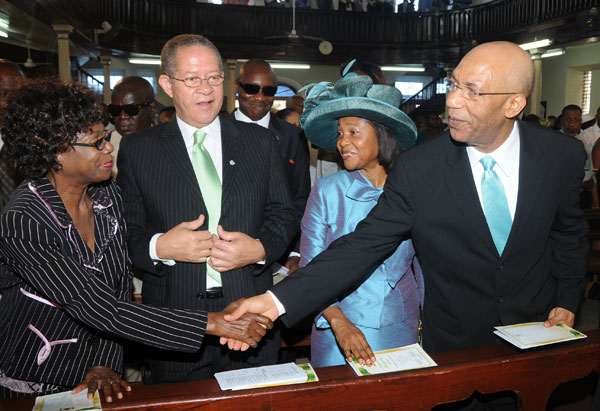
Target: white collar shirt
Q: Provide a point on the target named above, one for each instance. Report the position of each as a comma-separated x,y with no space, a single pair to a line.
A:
263,122
507,158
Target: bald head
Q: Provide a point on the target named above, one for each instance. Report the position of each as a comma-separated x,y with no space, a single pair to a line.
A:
489,90
137,95
256,88
11,77
507,63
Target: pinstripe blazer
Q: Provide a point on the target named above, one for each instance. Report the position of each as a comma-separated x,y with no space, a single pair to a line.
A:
56,289
160,190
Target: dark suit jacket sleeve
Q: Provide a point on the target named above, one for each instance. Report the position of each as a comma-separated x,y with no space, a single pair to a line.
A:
351,257
569,243
35,253
138,237
301,181
279,224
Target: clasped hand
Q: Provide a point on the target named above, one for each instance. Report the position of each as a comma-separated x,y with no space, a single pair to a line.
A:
227,251
246,329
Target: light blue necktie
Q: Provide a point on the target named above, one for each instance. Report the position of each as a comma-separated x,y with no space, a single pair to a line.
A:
495,205
210,187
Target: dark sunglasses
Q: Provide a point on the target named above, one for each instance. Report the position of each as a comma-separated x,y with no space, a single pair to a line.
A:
131,110
99,144
252,89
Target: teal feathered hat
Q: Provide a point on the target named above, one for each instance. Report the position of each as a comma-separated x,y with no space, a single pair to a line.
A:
353,96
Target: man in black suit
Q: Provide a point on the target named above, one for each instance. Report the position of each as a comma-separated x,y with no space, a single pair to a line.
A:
256,86
207,207
473,279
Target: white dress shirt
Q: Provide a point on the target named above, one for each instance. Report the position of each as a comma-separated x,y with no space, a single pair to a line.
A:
263,122
589,136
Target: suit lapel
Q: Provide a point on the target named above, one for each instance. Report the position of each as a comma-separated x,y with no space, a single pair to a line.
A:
460,183
530,180
275,128
232,145
173,147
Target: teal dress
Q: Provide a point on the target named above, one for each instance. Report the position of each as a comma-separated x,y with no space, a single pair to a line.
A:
385,307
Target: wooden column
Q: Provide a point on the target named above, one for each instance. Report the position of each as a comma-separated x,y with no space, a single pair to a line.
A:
231,89
105,58
64,54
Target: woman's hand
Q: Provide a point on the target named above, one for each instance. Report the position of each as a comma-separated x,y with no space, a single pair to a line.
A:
349,337
104,379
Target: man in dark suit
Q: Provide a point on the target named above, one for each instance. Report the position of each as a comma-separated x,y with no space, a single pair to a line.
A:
478,273
256,86
202,187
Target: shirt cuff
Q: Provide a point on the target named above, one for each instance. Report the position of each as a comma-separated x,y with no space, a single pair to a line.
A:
264,260
152,252
280,307
294,254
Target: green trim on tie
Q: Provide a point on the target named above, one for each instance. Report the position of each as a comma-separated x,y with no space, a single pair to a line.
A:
495,204
210,187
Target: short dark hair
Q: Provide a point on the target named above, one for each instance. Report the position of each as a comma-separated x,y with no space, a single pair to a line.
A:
42,120
167,108
169,50
284,113
387,145
370,69
569,108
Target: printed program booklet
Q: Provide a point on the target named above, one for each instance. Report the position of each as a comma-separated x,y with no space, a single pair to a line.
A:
529,335
63,401
280,273
266,376
404,358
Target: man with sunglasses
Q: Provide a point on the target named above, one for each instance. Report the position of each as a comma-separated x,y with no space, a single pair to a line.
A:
256,86
207,207
132,108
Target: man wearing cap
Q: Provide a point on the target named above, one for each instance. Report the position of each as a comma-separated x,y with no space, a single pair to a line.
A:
256,86
492,210
207,208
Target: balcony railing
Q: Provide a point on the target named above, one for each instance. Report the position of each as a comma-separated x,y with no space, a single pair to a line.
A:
239,23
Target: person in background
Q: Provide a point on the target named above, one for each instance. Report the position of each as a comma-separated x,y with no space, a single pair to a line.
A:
289,115
296,103
132,109
256,86
383,311
433,127
11,77
166,114
64,266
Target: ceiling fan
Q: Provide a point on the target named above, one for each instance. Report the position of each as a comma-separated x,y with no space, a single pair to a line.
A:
29,63
296,40
589,20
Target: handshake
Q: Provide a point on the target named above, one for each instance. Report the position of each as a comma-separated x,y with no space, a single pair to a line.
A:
243,322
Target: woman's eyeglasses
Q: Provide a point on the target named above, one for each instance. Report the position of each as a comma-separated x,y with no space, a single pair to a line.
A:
99,144
131,110
252,89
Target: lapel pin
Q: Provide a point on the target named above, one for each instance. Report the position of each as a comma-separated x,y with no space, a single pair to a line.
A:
231,162
276,137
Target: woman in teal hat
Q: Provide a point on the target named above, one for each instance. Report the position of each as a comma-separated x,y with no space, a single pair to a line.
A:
363,122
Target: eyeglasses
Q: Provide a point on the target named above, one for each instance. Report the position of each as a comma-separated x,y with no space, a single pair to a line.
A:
193,82
468,92
99,144
252,89
131,110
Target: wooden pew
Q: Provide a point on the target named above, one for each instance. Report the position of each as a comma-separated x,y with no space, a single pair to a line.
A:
532,374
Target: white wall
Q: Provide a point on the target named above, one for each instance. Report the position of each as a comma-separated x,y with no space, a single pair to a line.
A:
562,77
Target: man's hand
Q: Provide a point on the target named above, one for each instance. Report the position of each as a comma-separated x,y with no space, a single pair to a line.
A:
183,243
349,337
292,264
560,316
106,380
232,249
247,329
262,304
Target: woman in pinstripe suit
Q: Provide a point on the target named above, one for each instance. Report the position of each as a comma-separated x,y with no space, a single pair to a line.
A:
65,276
